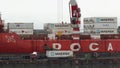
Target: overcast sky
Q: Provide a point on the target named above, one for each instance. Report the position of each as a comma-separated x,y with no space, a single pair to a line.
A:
53,11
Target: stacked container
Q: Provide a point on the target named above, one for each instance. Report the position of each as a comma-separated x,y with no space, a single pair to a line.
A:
100,25
21,28
59,28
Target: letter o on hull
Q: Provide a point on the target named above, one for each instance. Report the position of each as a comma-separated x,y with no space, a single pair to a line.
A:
72,47
57,46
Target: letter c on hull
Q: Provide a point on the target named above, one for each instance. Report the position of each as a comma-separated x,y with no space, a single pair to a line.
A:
91,46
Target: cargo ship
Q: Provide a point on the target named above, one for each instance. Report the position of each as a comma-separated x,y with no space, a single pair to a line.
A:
19,43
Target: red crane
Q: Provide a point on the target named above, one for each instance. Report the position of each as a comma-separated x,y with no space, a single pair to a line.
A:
75,17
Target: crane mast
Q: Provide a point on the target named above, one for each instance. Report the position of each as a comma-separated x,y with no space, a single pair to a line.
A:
75,17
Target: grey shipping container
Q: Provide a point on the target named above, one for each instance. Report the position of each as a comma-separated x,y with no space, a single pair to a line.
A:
20,25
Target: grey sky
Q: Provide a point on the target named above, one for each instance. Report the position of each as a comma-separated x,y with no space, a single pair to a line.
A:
51,11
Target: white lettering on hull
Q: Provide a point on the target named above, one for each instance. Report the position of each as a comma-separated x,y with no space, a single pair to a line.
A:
91,46
110,48
57,46
73,45
76,46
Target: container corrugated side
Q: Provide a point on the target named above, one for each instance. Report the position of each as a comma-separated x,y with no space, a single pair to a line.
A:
106,31
59,53
63,31
22,31
105,19
105,25
20,25
100,20
57,26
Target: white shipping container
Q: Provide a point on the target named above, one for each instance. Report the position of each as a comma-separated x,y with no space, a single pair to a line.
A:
105,25
88,26
100,20
51,36
22,31
105,19
62,25
20,25
106,31
95,36
59,53
57,26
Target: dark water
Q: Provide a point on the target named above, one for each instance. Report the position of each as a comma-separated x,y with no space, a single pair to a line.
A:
61,64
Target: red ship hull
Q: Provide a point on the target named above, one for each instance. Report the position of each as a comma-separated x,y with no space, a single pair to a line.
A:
11,43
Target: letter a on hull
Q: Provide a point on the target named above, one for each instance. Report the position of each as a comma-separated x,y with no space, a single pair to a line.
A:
110,48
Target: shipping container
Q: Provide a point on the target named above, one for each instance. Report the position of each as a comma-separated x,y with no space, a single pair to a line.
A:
39,31
105,19
20,25
101,25
106,31
51,36
100,20
59,53
57,26
22,31
105,25
62,31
